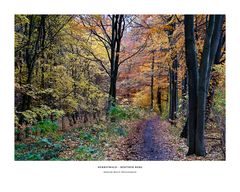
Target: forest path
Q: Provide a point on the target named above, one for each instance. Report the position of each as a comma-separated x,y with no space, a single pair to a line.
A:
155,146
148,140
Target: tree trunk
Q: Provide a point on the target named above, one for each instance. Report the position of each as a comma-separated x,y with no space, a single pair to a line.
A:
209,52
214,45
184,93
184,133
112,92
200,145
198,88
152,82
173,90
192,66
159,100
184,106
214,76
211,93
117,32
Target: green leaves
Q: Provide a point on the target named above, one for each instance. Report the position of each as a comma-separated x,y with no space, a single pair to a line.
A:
40,113
46,126
123,112
29,116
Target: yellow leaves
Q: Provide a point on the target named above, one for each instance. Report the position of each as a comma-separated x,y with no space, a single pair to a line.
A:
142,98
98,17
219,73
98,49
21,20
154,30
71,104
167,27
159,29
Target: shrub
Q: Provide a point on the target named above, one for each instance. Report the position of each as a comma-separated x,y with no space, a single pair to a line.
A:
45,126
40,113
124,112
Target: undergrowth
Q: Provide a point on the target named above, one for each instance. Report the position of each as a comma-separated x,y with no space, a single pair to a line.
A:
89,142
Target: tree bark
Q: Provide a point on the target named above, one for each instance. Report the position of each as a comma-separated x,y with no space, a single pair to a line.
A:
117,33
184,105
184,92
184,133
192,67
152,83
214,76
159,100
199,79
173,78
173,90
201,99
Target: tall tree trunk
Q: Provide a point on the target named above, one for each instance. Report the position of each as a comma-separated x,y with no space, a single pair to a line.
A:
201,100
184,92
43,36
198,88
184,133
152,83
214,76
173,90
192,67
210,47
184,105
170,94
159,99
112,92
117,32
214,45
112,89
173,85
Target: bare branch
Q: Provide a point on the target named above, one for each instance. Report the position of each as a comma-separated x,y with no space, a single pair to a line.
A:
96,59
178,19
105,31
138,51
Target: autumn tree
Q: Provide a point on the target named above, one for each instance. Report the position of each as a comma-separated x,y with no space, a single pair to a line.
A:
34,39
215,77
52,73
199,77
109,31
153,62
173,70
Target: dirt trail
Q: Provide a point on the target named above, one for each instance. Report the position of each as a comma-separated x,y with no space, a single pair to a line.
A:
155,144
148,140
